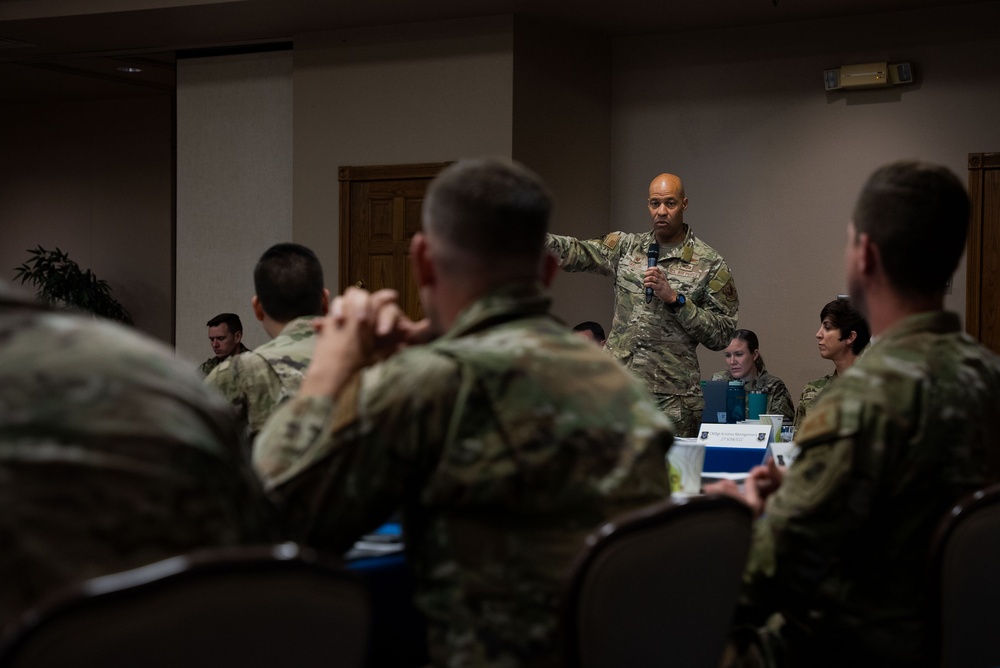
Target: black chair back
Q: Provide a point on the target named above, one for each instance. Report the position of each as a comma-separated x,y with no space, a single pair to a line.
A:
252,606
658,586
965,557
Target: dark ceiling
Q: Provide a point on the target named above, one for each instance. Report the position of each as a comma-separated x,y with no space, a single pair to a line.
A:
82,49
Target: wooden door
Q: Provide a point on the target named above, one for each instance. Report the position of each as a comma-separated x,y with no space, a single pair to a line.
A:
379,213
982,308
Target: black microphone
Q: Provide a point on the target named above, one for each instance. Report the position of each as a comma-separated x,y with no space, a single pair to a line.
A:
652,255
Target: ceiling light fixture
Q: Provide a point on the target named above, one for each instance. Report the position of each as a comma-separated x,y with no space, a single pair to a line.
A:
128,69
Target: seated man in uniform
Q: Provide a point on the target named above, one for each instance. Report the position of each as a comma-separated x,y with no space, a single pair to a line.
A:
225,333
288,282
505,441
840,550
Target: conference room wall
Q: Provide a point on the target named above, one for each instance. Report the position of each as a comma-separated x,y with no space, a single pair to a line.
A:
393,95
562,130
94,178
234,186
773,164
535,91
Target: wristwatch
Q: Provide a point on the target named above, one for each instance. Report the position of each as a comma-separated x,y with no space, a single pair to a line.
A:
679,304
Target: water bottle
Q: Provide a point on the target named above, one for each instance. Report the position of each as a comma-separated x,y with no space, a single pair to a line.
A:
735,402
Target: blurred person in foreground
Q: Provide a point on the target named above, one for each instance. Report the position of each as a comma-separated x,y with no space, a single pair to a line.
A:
505,441
225,333
692,300
288,298
842,336
840,552
112,455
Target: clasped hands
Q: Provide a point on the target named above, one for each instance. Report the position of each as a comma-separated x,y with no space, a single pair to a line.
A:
760,483
360,329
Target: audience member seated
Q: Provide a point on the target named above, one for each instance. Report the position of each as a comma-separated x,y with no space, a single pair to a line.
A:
842,336
838,567
112,455
591,330
288,281
225,333
505,440
747,364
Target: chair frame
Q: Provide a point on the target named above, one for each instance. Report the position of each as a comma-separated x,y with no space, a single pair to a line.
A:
960,512
659,513
195,566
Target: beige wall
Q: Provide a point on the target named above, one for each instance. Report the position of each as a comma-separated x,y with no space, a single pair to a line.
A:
396,95
95,179
771,161
773,164
562,130
234,186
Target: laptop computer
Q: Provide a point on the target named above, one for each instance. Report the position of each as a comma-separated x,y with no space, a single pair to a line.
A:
715,401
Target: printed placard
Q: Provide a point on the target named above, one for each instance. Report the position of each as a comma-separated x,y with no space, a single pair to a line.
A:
744,435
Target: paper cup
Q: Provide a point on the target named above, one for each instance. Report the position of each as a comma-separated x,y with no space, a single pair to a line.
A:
775,421
685,461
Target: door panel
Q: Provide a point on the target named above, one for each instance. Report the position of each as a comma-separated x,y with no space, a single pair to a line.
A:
379,214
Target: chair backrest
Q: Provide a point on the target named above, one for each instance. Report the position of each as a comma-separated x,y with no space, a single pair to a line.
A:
246,607
965,556
658,586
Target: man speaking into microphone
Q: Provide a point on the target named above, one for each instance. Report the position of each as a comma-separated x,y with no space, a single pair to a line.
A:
672,292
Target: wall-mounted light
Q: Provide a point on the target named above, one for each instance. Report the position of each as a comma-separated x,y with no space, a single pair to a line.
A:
868,75
129,69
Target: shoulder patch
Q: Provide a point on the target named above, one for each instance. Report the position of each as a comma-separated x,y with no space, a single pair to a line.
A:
612,240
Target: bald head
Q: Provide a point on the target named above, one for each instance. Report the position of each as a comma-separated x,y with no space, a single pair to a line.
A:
667,182
666,208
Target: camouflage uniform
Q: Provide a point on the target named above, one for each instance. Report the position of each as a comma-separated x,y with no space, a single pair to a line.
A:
505,441
657,344
810,393
841,549
256,382
779,401
212,362
112,455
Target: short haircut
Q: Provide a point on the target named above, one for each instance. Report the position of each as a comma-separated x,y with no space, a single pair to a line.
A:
288,280
231,320
845,318
489,208
749,337
918,216
592,327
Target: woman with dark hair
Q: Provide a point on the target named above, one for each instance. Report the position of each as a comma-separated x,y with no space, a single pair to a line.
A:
747,364
842,335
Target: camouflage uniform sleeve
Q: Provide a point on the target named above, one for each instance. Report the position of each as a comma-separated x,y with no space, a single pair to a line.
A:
810,393
779,401
249,383
598,256
820,505
206,367
338,468
710,318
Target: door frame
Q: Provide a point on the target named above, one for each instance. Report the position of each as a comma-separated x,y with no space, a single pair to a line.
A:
979,163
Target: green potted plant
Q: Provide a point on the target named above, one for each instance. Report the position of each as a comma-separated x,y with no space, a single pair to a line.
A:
60,282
